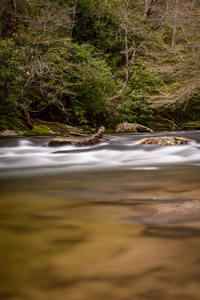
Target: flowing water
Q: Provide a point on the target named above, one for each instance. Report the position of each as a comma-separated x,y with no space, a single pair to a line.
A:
83,223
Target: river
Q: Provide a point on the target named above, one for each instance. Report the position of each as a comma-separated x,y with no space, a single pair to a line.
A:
82,224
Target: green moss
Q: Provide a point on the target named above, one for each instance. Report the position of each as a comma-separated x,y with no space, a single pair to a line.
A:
157,126
38,130
109,130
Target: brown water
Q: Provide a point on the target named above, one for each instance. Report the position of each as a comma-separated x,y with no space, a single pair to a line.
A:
95,235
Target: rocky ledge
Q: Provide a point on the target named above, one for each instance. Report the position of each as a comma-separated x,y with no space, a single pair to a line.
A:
167,141
94,139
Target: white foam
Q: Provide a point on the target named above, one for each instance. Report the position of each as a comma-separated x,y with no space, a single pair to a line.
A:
38,157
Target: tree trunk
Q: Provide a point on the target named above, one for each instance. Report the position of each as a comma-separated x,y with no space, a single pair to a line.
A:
9,18
28,119
73,18
126,41
175,23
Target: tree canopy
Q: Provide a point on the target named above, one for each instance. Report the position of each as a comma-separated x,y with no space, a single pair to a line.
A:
99,61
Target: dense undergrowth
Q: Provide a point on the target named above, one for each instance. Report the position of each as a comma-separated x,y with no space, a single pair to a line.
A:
99,62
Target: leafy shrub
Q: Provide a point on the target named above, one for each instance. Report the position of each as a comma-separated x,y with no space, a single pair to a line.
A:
12,76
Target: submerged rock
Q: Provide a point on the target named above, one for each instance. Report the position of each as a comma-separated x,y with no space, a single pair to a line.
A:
170,214
132,127
167,141
186,207
170,231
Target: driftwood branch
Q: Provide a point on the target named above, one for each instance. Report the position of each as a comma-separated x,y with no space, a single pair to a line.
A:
95,137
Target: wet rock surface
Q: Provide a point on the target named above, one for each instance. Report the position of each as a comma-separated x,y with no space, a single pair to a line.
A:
67,141
186,207
167,141
173,214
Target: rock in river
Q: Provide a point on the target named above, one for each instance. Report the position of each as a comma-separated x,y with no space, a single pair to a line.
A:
132,127
167,141
187,207
68,141
94,139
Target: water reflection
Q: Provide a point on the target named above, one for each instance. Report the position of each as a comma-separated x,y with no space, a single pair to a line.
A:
96,236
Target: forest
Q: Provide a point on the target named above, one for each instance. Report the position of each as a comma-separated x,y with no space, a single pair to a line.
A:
100,62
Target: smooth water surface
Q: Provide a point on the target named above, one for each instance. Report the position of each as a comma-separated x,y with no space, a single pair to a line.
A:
81,224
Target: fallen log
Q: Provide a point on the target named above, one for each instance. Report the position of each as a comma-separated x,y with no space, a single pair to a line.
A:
94,139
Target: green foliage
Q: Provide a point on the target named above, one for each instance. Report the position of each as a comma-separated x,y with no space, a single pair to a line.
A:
133,106
12,77
84,79
98,83
145,80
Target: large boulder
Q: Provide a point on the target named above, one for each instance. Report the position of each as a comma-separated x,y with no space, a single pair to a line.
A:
132,127
167,141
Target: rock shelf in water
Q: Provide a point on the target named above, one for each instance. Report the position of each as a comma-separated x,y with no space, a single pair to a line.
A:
94,139
167,141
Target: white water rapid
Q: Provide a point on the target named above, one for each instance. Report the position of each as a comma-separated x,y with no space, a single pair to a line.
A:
28,156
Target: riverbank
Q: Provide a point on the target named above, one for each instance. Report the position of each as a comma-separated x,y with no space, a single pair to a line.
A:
44,128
